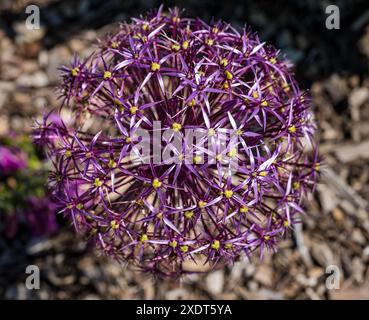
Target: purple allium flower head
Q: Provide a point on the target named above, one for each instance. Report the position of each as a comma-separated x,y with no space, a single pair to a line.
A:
186,75
11,160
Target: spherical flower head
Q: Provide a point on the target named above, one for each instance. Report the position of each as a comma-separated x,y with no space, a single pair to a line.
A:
238,190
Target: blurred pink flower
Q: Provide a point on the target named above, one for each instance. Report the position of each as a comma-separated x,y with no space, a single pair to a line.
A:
11,160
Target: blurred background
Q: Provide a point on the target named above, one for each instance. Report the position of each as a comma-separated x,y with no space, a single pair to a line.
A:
331,64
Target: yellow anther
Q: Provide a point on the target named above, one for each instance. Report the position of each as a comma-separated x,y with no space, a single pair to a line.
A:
244,209
128,140
176,127
273,60
181,157
184,249
197,159
202,204
117,103
228,245
317,166
74,71
286,223
228,194
292,129
175,47
156,183
225,85
211,132
239,132
286,87
215,30
296,185
264,103
173,244
188,214
232,153
145,26
133,109
270,87
68,153
114,45
209,42
215,244
176,19
114,224
79,206
218,157
97,183
263,173
266,237
255,95
112,164
155,66
192,103
107,75
185,45
144,238
140,202
223,62
228,75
